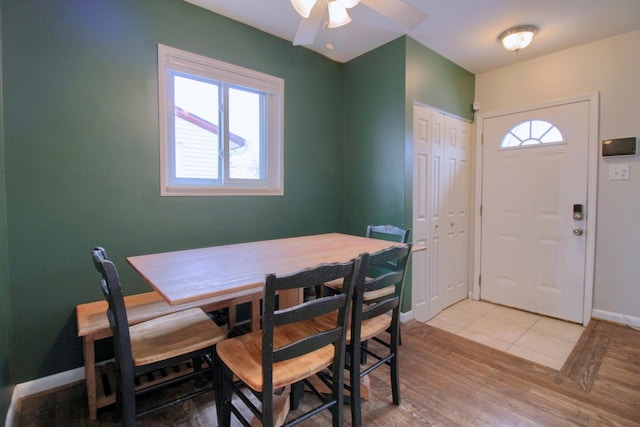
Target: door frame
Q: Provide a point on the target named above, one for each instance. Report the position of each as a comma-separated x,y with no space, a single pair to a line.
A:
592,192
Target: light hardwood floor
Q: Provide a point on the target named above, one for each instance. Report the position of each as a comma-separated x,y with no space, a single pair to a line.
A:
446,380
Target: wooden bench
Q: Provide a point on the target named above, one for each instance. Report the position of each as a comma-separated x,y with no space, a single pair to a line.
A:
93,325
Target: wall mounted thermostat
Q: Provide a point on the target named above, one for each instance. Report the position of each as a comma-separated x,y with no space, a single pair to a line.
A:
620,147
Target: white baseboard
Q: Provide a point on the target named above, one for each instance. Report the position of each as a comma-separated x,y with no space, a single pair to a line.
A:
405,317
621,318
39,385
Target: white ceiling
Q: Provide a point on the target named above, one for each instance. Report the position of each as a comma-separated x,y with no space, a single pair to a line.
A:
464,31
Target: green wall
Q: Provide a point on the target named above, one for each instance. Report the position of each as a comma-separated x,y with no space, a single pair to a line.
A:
374,138
6,384
81,156
434,80
381,87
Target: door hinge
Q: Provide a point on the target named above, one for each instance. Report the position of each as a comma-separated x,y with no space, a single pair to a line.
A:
479,280
480,210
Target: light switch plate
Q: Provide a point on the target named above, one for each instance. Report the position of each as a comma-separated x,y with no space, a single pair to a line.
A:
619,172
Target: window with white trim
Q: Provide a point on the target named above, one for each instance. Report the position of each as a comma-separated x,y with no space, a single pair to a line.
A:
221,127
532,132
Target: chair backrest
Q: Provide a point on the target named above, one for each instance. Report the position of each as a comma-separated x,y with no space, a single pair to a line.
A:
390,266
116,312
388,232
350,272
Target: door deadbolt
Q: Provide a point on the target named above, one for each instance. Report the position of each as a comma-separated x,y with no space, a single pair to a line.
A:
578,213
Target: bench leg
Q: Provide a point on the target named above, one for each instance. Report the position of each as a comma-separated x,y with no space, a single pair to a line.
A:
90,375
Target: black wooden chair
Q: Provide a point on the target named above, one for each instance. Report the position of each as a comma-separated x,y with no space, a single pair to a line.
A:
373,300
287,351
388,232
384,232
188,336
370,320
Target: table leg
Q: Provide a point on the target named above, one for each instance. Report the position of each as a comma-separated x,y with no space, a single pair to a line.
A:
232,316
255,312
289,298
297,392
90,374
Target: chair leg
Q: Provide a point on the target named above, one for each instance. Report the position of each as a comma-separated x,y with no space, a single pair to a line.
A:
223,393
337,394
126,397
354,384
395,380
395,370
267,408
363,354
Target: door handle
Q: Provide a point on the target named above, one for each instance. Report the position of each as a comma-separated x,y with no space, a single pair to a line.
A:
578,231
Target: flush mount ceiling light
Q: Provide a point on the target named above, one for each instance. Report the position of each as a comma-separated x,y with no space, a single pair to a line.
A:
337,10
517,38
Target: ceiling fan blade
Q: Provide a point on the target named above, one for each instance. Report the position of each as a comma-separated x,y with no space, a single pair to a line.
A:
308,27
398,11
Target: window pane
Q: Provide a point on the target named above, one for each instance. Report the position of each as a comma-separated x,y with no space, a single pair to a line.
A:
510,140
531,132
522,131
246,134
553,135
196,127
538,128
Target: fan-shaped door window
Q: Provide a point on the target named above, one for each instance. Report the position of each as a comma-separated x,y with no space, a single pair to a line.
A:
531,133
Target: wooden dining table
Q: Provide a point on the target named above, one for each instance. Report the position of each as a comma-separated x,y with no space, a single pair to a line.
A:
190,275
193,274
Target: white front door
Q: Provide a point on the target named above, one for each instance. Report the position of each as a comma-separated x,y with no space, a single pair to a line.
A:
535,175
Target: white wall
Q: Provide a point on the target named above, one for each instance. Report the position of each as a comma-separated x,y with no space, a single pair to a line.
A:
610,67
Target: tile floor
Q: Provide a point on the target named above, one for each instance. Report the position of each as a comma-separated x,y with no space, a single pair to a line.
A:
533,337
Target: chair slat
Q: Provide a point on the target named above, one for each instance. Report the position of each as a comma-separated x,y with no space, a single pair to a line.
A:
307,345
310,309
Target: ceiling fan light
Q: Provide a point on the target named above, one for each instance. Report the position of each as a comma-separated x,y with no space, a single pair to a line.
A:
338,15
303,7
517,38
348,4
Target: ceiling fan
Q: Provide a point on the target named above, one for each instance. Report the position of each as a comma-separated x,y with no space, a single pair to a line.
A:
313,13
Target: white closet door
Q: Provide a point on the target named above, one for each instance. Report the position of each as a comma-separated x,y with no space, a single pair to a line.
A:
441,209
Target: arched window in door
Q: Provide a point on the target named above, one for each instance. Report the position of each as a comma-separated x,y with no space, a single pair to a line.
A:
532,132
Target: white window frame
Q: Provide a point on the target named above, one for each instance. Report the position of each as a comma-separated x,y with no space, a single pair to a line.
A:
172,60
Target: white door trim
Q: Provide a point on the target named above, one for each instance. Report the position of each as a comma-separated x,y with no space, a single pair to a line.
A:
592,187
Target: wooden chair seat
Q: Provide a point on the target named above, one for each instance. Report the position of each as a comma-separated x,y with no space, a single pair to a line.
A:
172,335
243,355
